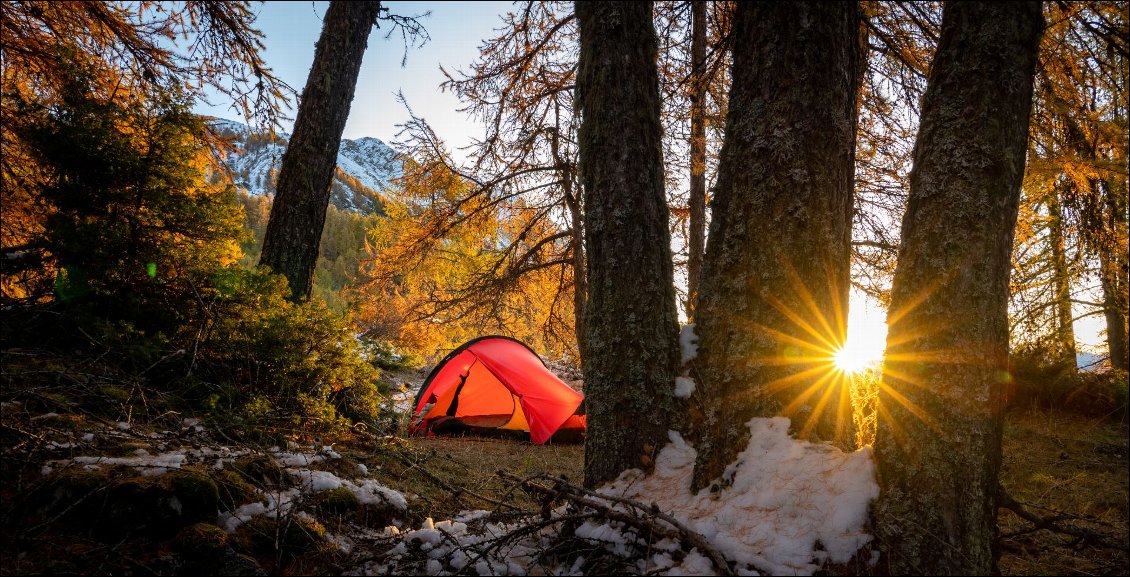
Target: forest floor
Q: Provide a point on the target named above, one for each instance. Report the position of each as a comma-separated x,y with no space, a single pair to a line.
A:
1058,465
1064,464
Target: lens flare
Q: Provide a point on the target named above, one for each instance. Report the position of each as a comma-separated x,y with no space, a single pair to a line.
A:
851,359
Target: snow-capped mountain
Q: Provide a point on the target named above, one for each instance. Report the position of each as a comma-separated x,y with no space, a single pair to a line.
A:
365,166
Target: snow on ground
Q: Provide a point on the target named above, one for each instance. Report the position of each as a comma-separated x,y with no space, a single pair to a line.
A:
793,505
145,463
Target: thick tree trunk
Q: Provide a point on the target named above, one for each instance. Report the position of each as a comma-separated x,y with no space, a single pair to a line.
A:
697,201
299,211
1065,320
630,318
939,439
773,306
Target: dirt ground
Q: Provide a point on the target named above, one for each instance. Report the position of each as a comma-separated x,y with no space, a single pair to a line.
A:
1064,464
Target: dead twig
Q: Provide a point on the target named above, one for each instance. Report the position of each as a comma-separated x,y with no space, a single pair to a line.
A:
1056,524
641,518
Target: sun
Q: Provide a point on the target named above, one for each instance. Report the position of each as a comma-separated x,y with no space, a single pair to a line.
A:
866,337
851,359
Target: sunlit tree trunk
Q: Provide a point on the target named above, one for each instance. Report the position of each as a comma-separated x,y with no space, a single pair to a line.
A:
773,305
938,447
631,326
299,211
697,201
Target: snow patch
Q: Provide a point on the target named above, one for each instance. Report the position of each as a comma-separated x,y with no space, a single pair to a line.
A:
684,387
147,464
367,491
688,344
792,506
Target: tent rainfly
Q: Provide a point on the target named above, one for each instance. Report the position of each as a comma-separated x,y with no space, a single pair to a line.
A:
499,383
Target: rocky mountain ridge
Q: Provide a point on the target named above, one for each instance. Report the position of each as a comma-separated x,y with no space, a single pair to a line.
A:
366,166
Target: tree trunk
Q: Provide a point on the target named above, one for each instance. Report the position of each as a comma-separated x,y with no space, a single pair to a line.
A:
566,171
299,211
1065,320
1113,274
697,200
773,306
938,446
631,323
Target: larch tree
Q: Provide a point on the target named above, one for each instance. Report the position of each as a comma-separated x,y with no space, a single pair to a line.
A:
938,446
773,306
631,323
521,90
1084,74
1070,228
290,246
522,171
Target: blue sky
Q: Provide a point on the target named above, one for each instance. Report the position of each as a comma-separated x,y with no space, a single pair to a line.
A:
457,29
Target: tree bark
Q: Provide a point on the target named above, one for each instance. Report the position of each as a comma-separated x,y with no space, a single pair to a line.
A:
566,172
938,445
1113,272
1065,320
697,201
299,211
631,322
773,306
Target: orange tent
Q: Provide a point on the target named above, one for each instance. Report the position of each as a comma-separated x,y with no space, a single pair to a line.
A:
496,382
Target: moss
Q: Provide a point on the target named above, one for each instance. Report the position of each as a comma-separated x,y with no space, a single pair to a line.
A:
234,490
338,501
204,549
115,394
199,496
291,535
200,540
68,422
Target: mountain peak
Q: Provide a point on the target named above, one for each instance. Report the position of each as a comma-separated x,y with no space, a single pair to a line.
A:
366,166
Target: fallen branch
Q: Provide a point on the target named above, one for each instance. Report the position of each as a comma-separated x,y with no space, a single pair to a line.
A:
642,521
1055,524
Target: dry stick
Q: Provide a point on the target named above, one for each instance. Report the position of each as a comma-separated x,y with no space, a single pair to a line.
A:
695,537
1006,501
575,493
501,540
